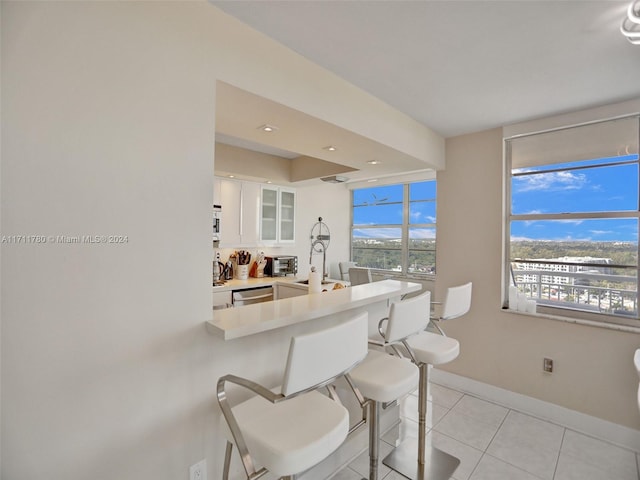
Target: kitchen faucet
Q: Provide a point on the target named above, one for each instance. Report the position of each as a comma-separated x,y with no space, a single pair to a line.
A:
324,256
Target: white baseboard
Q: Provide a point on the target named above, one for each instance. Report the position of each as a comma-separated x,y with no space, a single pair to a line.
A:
611,432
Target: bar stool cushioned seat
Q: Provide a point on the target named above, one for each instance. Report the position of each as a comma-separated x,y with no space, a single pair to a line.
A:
292,436
385,378
433,349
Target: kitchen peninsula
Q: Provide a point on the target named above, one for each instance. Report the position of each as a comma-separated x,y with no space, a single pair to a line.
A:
253,319
253,342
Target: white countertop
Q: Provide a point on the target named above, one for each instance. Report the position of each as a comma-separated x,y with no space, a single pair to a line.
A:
239,322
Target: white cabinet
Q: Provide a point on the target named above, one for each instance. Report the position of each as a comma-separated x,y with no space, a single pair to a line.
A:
240,206
217,197
222,300
287,224
249,214
277,215
269,215
230,200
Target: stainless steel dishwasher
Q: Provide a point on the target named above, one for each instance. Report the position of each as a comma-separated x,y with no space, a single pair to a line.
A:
248,296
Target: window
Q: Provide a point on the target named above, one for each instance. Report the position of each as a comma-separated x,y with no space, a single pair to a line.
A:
573,220
394,227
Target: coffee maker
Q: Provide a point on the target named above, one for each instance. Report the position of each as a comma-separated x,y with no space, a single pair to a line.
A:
218,270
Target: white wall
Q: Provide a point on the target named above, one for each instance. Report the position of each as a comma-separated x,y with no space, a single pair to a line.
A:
594,372
331,202
108,128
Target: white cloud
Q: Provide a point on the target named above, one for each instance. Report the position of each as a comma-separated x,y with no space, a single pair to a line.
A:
422,233
551,181
377,233
419,217
571,221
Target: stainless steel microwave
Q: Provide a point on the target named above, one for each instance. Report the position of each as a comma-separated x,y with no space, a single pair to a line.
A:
281,266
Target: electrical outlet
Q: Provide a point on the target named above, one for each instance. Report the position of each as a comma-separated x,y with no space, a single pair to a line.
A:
198,471
547,365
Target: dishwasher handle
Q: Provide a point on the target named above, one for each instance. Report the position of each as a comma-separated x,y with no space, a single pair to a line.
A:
256,297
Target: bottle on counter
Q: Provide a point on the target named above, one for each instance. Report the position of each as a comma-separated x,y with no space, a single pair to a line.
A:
315,281
228,270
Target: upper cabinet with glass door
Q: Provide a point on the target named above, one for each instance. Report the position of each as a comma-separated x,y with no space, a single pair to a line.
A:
277,215
287,228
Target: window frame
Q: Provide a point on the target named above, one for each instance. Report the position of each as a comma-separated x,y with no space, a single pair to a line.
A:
558,311
404,228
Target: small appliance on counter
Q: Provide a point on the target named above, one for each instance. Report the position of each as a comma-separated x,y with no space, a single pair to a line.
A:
218,271
281,266
217,215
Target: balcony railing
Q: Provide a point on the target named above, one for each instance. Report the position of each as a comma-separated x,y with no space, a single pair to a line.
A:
581,290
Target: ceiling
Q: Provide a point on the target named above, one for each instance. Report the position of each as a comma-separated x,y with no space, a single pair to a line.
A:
461,66
300,138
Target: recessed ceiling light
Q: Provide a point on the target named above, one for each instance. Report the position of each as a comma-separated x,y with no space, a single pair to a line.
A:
269,181
232,176
372,180
331,148
374,162
268,128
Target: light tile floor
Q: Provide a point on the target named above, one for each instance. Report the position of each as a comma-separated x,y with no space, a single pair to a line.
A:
498,443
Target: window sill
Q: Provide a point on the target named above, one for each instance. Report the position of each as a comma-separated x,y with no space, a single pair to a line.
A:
578,321
410,276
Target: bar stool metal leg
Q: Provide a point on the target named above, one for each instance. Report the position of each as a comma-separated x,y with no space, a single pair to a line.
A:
227,461
422,412
412,458
374,443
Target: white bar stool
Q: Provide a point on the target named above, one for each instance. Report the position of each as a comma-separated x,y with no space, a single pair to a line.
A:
291,431
457,302
383,378
359,276
412,458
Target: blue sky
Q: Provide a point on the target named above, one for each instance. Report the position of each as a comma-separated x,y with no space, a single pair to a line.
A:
383,206
597,189
604,188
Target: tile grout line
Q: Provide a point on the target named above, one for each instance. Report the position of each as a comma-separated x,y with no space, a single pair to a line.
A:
497,430
555,470
485,452
511,465
517,412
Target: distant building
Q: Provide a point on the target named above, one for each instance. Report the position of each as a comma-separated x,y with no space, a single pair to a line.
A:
556,266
